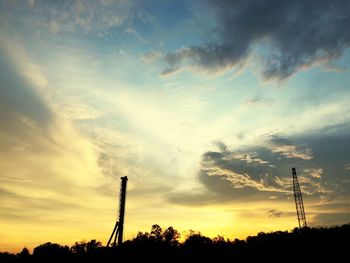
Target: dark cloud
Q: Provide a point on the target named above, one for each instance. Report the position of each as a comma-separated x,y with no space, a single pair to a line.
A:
222,146
290,35
263,168
169,71
336,210
331,152
247,174
274,213
336,218
333,205
263,172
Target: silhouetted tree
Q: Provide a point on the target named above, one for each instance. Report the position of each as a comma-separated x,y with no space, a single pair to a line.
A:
24,255
156,233
158,245
50,252
197,240
171,236
93,245
8,257
79,248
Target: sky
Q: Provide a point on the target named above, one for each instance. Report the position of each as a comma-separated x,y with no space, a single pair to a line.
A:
204,105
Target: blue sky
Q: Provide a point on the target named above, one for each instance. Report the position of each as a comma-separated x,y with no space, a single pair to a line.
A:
205,106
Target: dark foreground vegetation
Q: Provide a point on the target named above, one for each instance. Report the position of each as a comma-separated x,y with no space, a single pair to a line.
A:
301,245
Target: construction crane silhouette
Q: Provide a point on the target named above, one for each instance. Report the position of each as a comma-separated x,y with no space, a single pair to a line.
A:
298,200
119,225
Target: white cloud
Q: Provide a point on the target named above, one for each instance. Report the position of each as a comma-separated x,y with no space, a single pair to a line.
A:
291,151
316,173
249,158
133,32
284,147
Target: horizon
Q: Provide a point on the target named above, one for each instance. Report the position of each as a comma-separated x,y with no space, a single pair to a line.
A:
204,105
183,236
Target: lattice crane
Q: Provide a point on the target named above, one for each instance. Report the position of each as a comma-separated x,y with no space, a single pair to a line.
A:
298,200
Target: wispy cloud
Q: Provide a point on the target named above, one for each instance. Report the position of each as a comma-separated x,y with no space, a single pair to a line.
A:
280,145
315,173
258,100
243,172
96,17
57,165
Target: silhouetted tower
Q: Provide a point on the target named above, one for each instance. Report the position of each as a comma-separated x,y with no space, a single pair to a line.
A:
298,200
119,225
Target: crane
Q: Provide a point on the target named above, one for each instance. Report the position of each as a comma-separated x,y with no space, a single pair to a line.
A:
117,232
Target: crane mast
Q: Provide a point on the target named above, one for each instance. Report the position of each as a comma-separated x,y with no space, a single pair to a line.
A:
299,204
117,233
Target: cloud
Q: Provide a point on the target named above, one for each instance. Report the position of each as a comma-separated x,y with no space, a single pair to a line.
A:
49,172
18,99
311,182
274,213
315,173
283,146
263,171
287,36
96,17
41,209
169,71
242,171
336,218
322,178
28,122
249,157
133,32
258,100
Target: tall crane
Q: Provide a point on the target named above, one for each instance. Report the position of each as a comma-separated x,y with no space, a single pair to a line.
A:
119,225
298,200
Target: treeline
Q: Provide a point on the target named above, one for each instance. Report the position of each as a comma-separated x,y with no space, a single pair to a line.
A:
162,245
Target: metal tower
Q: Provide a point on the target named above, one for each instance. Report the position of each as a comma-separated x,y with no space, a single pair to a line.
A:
119,225
298,200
